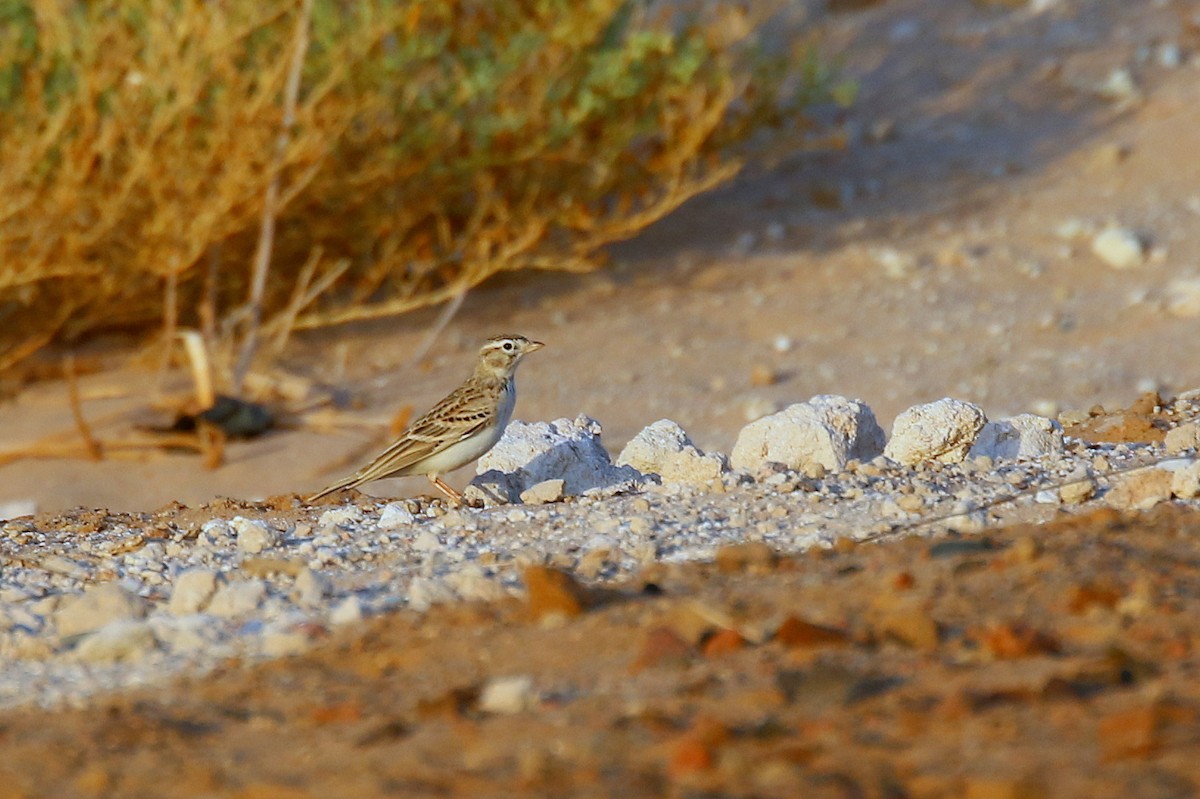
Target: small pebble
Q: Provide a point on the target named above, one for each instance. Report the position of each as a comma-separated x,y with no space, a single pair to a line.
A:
543,492
310,588
762,375
253,536
348,611
507,695
1119,247
394,516
237,598
126,639
193,589
1076,492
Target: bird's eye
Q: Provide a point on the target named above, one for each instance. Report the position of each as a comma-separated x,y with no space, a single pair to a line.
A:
508,345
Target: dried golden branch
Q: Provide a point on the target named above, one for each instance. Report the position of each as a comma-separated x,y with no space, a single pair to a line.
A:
91,445
116,448
266,238
436,329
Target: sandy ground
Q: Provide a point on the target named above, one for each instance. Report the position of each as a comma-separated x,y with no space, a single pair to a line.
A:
933,255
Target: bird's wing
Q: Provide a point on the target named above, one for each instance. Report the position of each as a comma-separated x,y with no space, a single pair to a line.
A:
462,414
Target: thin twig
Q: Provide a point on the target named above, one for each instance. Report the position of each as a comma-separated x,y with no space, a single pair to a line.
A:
113,449
438,326
35,342
304,294
208,304
326,280
170,322
212,445
392,307
266,236
94,450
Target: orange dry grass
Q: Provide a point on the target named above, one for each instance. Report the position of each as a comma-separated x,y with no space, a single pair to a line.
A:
436,142
131,150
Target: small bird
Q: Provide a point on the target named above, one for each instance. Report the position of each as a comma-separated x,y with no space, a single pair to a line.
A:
459,429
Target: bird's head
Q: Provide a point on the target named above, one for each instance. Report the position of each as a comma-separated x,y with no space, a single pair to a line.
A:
500,355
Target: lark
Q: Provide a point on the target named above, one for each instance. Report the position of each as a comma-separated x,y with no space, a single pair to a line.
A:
459,429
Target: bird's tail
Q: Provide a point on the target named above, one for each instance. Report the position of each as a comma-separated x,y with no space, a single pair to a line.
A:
346,482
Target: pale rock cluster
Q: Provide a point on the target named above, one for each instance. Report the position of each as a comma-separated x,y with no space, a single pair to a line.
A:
827,430
664,449
942,431
1021,437
543,462
82,612
530,453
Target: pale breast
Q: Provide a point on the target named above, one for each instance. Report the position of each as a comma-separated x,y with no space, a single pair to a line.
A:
504,408
460,454
470,449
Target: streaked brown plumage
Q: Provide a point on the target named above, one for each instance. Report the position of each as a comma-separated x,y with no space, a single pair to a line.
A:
457,430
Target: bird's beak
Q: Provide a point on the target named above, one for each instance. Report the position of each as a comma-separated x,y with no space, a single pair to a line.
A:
534,345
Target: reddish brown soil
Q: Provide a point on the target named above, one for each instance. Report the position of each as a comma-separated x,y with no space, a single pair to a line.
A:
1044,661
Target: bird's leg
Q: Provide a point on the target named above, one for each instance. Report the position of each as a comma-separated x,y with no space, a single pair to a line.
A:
446,488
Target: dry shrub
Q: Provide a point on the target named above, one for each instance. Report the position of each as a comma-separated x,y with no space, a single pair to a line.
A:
436,142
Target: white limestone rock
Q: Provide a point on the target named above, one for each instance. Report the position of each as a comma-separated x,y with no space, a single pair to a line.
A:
1079,490
936,431
123,640
425,592
310,588
1119,247
186,634
345,516
98,606
253,535
348,611
828,430
507,695
1183,297
215,534
664,449
394,516
282,640
493,488
1025,436
1185,483
1183,438
192,591
543,493
237,598
472,584
565,449
1141,490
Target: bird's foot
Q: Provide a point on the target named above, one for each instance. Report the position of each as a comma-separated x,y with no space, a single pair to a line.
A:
453,495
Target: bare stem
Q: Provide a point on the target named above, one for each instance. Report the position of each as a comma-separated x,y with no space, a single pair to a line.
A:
170,324
208,305
438,326
266,233
90,444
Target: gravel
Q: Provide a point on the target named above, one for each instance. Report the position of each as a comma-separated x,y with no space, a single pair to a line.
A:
91,602
1119,247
